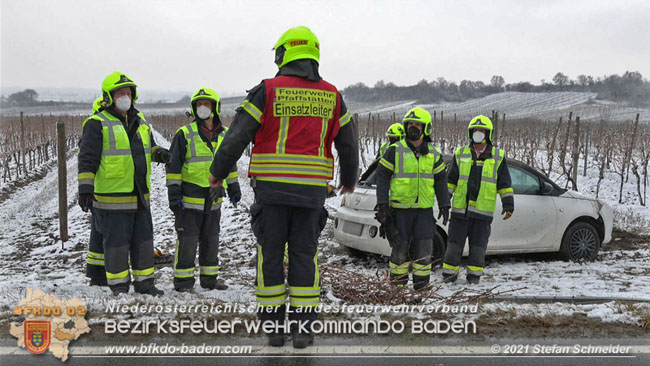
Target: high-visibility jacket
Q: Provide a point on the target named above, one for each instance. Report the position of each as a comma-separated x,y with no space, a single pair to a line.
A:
382,149
487,196
196,168
412,183
114,180
298,125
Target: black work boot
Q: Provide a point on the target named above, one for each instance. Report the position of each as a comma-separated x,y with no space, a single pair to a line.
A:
276,339
473,279
215,285
98,282
302,340
399,280
153,291
449,277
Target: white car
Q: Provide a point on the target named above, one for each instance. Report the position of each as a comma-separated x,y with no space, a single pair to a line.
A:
547,218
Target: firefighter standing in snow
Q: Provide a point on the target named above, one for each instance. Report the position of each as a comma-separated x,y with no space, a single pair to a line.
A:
115,155
197,216
478,172
414,172
293,119
394,133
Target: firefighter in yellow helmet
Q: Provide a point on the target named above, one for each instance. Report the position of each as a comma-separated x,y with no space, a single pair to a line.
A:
478,172
394,133
115,155
410,177
293,119
196,215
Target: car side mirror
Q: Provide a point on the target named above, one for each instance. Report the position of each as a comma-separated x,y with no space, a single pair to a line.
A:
547,188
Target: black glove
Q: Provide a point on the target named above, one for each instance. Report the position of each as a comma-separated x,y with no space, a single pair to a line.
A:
382,231
508,211
85,201
444,212
383,214
164,156
176,205
216,193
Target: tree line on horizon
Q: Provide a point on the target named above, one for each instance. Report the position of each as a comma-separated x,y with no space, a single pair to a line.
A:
630,87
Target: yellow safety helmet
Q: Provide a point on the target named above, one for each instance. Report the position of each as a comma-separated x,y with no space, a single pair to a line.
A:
480,121
114,81
295,44
209,94
419,115
396,130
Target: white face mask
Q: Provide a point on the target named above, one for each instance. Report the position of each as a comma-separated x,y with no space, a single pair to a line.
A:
478,137
123,103
203,112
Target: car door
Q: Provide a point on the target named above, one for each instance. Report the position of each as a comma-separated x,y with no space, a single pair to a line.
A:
533,225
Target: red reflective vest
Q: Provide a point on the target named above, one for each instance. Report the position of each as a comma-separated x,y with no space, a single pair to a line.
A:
299,123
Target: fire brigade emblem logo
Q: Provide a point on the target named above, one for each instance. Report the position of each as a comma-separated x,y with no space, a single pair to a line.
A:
37,335
479,123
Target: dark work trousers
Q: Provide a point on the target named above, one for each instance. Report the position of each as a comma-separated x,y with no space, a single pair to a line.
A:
415,227
95,262
127,234
300,227
478,233
202,228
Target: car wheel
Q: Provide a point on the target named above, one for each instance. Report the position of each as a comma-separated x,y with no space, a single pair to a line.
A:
580,242
439,249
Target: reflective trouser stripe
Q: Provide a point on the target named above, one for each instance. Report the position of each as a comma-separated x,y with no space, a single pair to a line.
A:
184,272
271,295
116,278
399,269
478,271
142,274
209,270
420,270
304,296
96,259
448,268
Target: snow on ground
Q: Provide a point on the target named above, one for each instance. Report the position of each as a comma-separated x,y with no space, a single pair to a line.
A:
32,256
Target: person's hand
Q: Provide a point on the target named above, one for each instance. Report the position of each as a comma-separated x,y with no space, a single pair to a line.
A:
176,206
85,201
214,182
235,198
508,211
345,189
444,213
383,214
164,155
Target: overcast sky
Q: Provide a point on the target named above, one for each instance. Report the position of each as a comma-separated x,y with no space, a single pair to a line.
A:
183,45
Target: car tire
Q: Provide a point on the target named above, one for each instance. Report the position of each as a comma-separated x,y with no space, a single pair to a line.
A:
439,249
580,243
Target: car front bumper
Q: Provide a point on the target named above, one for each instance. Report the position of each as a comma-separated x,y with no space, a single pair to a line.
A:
352,228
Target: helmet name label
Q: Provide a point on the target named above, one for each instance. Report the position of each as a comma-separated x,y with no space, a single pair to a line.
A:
290,102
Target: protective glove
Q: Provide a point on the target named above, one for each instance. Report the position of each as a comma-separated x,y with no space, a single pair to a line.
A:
176,206
444,213
508,211
216,193
235,198
164,155
383,214
85,201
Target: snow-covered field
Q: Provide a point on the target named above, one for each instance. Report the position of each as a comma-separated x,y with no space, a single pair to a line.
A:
32,256
543,106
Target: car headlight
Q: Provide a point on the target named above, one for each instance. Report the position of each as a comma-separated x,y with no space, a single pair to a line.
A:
372,231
